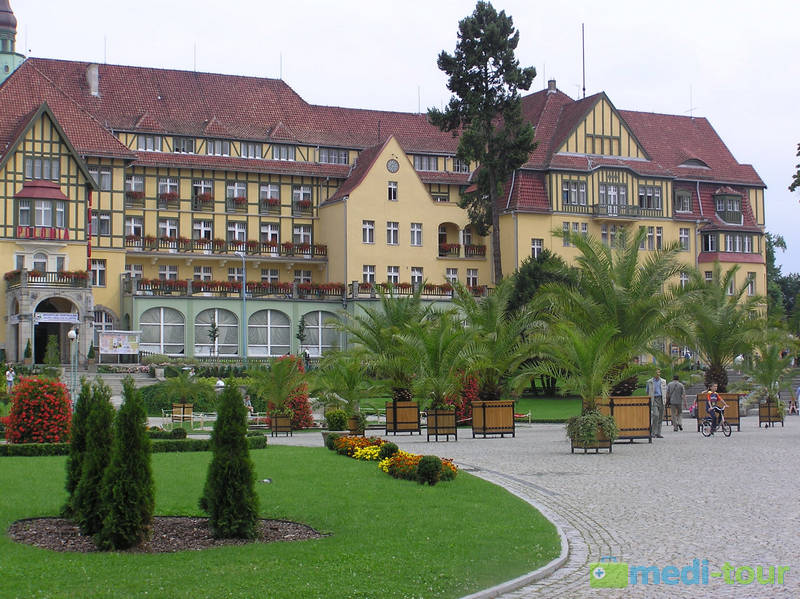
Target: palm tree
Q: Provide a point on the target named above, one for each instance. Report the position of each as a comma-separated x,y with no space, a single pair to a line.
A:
373,330
276,384
343,379
436,349
770,368
724,321
500,342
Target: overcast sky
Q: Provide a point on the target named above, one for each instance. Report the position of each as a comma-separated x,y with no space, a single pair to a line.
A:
732,62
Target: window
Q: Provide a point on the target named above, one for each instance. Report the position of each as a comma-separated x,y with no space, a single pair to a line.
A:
565,239
472,277
269,275
19,261
748,244
134,183
162,331
649,197
393,274
236,189
236,273
368,273
103,321
467,235
101,224
24,213
218,147
237,230
134,271
322,335
202,273
614,195
202,229
575,229
101,176
202,186
584,230
391,191
451,274
301,193
604,233
573,193
683,238
612,230
227,341
728,203
168,227
731,286
440,198
42,168
268,333
282,152
460,166
251,149
709,276
710,242
416,275
168,272
43,211
367,231
183,145
269,191
751,283
98,273
270,232
148,143
301,234
684,280
683,202
40,262
134,225
392,233
416,233
659,237
302,276
424,162
167,185
333,156
60,263
537,245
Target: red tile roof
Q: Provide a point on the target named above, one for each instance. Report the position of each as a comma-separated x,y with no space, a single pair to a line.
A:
704,257
360,169
40,190
528,194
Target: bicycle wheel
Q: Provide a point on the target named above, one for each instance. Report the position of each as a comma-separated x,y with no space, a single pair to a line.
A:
705,428
726,429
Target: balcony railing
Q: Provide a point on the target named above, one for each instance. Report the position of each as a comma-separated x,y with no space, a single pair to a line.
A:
33,278
624,211
733,217
474,251
302,208
220,246
203,202
575,208
269,206
449,250
134,199
169,200
237,204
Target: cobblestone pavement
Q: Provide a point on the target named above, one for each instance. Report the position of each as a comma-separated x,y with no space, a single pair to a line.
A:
683,497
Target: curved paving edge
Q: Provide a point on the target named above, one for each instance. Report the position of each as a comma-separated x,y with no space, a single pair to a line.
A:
561,527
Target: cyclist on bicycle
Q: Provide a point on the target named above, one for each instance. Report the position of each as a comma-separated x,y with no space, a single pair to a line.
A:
715,405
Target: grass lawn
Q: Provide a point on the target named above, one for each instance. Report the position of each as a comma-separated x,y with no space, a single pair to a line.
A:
389,538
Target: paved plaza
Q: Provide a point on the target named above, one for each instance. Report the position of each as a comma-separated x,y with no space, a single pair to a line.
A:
681,498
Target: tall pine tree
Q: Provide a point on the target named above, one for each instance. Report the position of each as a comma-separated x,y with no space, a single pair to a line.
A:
77,447
486,108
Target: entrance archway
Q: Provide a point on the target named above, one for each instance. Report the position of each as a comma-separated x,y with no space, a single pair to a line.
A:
44,330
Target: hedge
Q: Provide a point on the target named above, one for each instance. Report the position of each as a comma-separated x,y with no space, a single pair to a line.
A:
159,446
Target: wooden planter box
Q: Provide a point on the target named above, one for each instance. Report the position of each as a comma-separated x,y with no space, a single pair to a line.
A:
353,427
493,418
281,424
768,413
731,412
442,422
402,417
601,443
632,415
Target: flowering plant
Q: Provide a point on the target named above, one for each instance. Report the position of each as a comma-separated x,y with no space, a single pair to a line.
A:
168,196
134,195
304,204
133,237
239,200
447,247
11,274
273,201
41,412
205,198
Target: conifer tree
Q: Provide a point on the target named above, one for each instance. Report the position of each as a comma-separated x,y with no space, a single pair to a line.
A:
77,447
128,494
99,433
229,497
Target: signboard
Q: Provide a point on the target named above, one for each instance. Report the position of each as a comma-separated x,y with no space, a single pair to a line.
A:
119,342
42,233
55,317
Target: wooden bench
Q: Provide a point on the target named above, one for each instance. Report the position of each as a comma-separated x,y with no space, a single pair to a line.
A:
732,414
182,412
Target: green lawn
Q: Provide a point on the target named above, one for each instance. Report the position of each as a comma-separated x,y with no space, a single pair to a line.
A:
388,538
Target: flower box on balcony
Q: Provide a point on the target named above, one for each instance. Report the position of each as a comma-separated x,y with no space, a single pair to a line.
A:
205,198
168,196
218,244
253,246
287,247
304,204
11,275
133,238
270,246
239,201
73,275
320,249
449,247
305,287
134,195
236,244
272,202
302,248
202,243
148,240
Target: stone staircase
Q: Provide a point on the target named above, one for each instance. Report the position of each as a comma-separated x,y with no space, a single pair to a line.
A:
113,380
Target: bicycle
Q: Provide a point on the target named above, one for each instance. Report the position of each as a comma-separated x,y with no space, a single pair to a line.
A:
707,424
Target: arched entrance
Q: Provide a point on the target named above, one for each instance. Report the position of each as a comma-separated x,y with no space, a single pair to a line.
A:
53,326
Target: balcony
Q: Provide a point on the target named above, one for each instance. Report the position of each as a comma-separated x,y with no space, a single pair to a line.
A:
302,208
474,251
270,206
134,199
449,250
173,245
237,204
33,278
575,208
624,211
169,200
203,202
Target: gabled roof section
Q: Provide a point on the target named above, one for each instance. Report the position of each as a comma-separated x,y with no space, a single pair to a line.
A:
282,132
366,159
215,128
147,122
528,193
40,190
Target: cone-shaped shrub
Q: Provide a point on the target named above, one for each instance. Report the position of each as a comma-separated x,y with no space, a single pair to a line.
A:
128,494
77,447
229,497
89,511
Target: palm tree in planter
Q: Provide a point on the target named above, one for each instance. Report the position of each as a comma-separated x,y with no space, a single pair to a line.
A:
275,386
436,349
587,364
342,380
724,321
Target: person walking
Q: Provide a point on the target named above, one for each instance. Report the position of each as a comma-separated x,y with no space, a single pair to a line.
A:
10,374
676,394
656,389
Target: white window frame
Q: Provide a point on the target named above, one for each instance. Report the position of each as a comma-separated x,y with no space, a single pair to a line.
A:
368,273
367,231
391,191
392,232
393,274
416,234
537,247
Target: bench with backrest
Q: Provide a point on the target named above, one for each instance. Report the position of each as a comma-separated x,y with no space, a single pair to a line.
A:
731,412
182,412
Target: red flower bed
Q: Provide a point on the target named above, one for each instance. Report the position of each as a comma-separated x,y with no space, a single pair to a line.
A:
41,412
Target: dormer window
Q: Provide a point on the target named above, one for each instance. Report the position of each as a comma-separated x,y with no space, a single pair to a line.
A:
148,143
424,162
283,152
183,145
694,163
683,201
333,156
218,147
729,208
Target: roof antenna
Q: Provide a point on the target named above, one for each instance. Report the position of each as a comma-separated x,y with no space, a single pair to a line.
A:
419,103
105,43
583,58
195,57
280,70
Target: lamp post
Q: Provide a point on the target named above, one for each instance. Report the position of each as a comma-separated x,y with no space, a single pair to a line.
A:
73,364
244,309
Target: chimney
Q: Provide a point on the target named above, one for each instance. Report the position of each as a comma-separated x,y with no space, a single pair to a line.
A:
93,79
551,86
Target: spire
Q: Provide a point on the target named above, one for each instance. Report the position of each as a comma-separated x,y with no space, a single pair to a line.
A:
8,22
9,59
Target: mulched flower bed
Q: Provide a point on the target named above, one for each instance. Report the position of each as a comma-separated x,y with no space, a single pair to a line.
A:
170,534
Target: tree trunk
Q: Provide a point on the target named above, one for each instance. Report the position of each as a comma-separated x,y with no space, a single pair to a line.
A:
498,265
717,374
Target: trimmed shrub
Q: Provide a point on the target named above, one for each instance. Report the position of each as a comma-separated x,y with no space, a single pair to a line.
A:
77,447
158,446
387,450
330,441
336,420
128,493
40,412
229,496
34,449
429,469
88,503
178,433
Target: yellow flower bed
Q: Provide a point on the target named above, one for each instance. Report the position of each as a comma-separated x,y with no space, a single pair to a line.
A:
367,453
